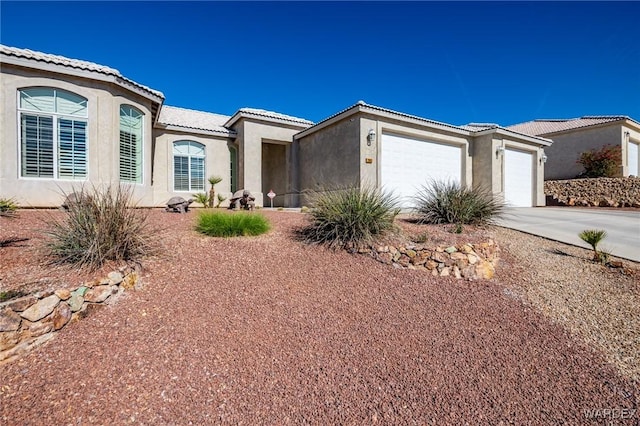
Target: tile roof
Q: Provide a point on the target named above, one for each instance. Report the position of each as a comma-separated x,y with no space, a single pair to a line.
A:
192,119
544,127
72,63
276,115
477,127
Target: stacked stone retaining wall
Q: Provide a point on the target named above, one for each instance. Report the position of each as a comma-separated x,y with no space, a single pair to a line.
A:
594,192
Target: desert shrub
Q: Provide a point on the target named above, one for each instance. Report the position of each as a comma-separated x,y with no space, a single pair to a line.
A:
603,162
221,198
201,198
219,224
350,217
8,207
104,226
450,202
593,237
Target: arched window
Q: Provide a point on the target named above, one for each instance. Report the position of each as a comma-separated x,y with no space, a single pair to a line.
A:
188,166
53,134
131,124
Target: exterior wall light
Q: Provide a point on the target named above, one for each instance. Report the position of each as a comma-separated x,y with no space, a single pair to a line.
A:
371,137
499,151
543,158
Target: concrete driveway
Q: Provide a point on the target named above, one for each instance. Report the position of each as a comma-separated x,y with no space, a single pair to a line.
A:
565,223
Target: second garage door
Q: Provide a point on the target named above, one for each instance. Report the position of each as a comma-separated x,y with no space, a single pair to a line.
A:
406,164
518,178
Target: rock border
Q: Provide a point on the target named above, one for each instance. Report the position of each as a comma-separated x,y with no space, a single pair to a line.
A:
594,192
31,320
468,261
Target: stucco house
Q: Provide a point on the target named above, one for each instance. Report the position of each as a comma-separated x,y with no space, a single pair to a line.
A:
574,136
67,122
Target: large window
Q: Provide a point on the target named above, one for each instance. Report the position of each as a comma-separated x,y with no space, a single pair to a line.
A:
188,166
53,134
131,122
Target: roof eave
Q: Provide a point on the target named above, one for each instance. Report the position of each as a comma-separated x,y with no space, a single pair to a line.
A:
176,128
123,82
248,115
506,132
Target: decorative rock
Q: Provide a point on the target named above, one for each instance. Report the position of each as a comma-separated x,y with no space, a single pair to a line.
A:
393,250
21,304
63,293
130,281
81,291
61,316
456,272
396,256
39,328
382,249
431,264
9,320
466,249
75,302
385,257
41,309
8,340
472,258
451,249
458,256
98,294
445,272
411,253
485,269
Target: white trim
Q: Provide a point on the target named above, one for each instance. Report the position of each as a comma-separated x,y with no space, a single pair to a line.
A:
142,143
55,135
188,156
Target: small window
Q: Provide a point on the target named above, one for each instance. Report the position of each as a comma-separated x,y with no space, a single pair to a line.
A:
188,166
53,134
131,122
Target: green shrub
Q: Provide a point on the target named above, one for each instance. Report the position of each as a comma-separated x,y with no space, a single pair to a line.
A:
8,207
221,198
593,237
351,217
103,226
603,162
201,198
449,202
219,224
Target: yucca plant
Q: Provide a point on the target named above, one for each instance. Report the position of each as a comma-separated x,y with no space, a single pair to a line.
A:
102,226
350,217
213,181
202,198
593,237
449,202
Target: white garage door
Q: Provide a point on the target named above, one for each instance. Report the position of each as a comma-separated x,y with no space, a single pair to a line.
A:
406,164
518,178
632,152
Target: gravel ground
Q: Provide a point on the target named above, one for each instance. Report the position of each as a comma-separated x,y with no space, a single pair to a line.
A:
264,330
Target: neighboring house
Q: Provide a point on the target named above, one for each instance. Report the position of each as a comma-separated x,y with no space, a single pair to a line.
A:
574,136
65,122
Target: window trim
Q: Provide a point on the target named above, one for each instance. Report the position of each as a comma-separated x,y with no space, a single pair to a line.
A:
142,148
189,156
55,132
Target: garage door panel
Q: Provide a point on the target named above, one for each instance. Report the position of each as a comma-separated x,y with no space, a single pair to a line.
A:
632,153
407,164
518,178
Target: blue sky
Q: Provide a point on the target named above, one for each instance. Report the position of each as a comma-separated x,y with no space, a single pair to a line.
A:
455,62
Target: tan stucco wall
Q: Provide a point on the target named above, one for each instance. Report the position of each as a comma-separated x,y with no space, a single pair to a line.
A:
217,162
251,134
567,147
274,173
103,126
329,158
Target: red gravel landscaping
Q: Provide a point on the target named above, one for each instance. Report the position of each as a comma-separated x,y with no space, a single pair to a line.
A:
265,330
